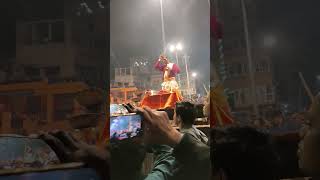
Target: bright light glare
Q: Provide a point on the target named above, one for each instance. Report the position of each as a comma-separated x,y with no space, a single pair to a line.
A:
179,47
172,48
269,41
194,74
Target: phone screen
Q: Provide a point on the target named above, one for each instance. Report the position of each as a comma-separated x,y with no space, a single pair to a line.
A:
124,127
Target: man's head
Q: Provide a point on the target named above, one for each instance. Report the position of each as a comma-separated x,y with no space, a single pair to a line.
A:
243,153
185,113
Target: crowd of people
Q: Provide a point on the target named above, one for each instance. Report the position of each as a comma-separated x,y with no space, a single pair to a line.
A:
280,124
229,153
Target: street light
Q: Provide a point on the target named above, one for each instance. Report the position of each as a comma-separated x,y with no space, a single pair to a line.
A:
194,74
269,41
175,47
172,48
179,47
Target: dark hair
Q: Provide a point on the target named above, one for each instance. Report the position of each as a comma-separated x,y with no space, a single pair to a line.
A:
243,153
186,111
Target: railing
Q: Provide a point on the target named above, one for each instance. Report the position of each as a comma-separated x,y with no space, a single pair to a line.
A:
39,79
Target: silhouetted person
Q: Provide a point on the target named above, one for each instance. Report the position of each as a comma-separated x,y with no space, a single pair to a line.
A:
243,153
185,116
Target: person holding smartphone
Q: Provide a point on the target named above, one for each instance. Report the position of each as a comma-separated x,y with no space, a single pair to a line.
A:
191,158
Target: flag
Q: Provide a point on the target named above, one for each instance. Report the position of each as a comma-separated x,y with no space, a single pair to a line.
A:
220,114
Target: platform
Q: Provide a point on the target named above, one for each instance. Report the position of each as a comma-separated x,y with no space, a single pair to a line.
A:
160,101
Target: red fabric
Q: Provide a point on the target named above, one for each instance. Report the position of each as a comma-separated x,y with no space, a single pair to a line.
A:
160,101
220,114
223,112
175,70
105,135
216,28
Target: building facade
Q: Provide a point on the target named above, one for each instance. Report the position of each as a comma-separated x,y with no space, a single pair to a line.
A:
67,45
31,107
238,81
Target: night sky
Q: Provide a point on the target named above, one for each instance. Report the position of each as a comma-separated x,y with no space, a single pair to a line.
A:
13,11
294,24
8,15
136,30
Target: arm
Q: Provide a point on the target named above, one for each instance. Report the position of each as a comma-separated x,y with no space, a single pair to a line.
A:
189,159
163,165
192,158
159,65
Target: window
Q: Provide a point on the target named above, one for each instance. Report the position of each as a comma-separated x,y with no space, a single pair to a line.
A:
242,97
231,70
117,72
32,72
244,68
57,31
262,67
238,69
41,34
269,94
91,27
127,71
123,71
236,97
265,67
33,104
28,36
52,72
45,32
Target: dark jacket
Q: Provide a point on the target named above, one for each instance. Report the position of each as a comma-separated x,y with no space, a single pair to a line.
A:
189,160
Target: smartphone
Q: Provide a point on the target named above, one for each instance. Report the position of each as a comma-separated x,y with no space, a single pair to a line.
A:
125,127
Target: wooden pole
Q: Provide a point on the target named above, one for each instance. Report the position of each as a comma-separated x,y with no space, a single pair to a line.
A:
204,86
306,87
